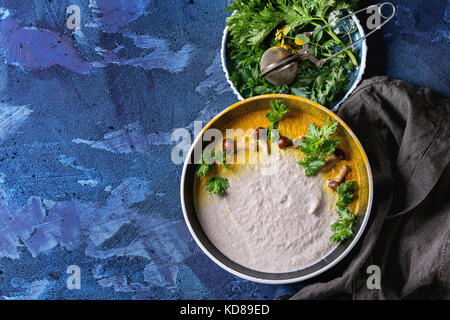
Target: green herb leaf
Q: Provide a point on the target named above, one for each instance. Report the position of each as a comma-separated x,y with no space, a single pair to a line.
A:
203,170
341,234
317,36
343,227
217,185
221,158
301,39
312,164
279,108
300,91
253,21
205,165
271,133
318,140
317,144
208,159
274,116
346,193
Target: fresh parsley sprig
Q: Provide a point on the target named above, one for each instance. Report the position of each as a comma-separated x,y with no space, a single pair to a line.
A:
343,227
205,166
345,194
217,185
203,170
279,108
221,158
312,164
316,145
214,185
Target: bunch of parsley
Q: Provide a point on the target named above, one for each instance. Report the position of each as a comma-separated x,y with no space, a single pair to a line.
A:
275,116
343,227
253,28
217,185
214,185
316,145
207,161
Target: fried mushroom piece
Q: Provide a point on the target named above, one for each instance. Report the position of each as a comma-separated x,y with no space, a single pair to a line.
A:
331,161
334,183
284,142
295,142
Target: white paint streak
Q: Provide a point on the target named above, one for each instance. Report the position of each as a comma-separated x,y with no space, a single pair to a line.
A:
161,57
89,182
216,78
36,288
11,118
130,139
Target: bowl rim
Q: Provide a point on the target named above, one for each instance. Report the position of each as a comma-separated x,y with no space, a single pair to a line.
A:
362,66
294,279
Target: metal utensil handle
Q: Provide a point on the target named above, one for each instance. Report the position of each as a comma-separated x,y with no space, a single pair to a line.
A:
277,65
379,6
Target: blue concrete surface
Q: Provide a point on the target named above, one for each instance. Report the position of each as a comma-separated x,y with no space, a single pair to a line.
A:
85,122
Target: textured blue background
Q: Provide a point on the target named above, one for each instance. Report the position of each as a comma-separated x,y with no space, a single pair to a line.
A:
85,124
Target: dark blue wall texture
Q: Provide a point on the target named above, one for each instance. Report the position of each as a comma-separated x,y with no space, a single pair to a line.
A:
86,117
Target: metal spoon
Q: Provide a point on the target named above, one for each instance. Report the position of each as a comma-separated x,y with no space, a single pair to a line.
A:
279,67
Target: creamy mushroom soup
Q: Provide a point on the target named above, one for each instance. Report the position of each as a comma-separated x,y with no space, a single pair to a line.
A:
272,218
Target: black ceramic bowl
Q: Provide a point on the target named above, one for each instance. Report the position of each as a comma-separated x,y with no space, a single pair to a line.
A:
365,191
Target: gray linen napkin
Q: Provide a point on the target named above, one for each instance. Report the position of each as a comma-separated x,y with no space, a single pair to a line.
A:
405,131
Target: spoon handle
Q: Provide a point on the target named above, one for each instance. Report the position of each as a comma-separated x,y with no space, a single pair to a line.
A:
317,62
